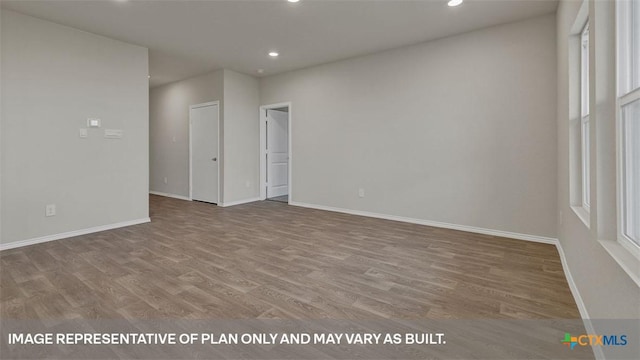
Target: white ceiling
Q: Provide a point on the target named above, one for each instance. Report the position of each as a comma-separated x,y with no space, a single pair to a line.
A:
186,38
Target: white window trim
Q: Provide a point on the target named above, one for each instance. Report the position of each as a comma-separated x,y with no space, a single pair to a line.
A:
627,243
625,258
577,100
582,214
586,166
623,68
623,250
585,144
584,65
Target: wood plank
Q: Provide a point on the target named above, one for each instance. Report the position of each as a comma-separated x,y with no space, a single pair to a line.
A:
270,260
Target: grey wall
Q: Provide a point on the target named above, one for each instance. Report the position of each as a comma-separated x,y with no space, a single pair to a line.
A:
459,130
169,120
169,129
241,137
53,79
606,290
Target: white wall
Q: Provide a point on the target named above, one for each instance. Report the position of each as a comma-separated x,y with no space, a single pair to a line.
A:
606,290
53,79
241,137
459,130
169,129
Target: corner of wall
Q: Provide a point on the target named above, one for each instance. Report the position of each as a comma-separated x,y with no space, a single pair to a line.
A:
241,129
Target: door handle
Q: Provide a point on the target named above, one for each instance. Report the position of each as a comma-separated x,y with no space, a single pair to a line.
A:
214,159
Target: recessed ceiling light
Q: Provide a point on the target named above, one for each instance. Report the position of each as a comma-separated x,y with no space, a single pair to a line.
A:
293,1
454,2
273,54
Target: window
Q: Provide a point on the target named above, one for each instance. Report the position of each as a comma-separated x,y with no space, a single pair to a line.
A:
579,119
584,116
628,103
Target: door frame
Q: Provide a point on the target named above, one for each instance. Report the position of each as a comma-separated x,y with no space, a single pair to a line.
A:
191,107
263,144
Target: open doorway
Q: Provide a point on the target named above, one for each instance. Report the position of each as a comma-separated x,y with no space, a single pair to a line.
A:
275,152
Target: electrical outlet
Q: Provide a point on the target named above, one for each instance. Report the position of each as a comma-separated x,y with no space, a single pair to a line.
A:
166,181
361,192
50,210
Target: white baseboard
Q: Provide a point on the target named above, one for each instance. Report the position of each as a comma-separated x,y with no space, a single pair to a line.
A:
507,234
21,243
169,195
572,285
584,314
239,202
541,239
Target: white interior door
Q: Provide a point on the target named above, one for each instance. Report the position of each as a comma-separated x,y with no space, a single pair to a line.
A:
277,153
204,152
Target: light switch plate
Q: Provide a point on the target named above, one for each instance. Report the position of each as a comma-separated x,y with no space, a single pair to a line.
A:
113,133
83,133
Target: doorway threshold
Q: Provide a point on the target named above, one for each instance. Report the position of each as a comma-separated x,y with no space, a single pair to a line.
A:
282,199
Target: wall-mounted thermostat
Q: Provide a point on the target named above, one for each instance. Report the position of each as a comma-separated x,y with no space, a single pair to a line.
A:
92,122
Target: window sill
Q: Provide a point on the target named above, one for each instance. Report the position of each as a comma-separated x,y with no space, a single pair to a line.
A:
583,215
629,263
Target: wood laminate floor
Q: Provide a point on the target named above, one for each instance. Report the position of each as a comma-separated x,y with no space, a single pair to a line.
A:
271,260
283,198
